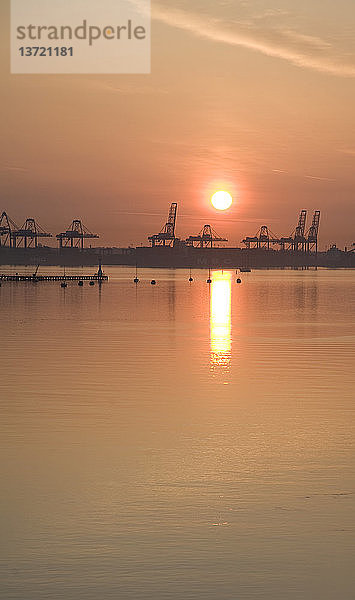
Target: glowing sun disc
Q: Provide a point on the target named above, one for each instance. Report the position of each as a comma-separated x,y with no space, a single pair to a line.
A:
222,200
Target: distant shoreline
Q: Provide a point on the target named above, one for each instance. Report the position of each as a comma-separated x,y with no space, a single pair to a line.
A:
169,257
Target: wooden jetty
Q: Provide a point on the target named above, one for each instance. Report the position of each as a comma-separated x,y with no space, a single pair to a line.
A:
98,277
53,277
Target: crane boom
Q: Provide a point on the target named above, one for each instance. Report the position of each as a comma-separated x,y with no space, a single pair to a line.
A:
166,237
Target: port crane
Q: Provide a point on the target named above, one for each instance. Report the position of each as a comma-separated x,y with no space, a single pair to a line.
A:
296,241
299,241
205,238
166,237
312,235
263,238
28,235
75,235
7,227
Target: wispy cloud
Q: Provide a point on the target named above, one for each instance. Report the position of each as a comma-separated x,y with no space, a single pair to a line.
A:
319,178
281,42
315,177
14,168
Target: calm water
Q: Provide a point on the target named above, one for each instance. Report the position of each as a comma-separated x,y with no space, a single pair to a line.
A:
180,442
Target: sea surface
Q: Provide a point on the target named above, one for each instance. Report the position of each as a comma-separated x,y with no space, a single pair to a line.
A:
183,441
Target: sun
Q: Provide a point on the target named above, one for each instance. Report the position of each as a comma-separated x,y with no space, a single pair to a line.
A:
222,200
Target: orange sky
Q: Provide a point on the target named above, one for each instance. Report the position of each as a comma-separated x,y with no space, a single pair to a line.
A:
254,97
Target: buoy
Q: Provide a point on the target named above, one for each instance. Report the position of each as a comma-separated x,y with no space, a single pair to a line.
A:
153,282
92,283
136,280
190,279
209,280
239,280
80,283
63,284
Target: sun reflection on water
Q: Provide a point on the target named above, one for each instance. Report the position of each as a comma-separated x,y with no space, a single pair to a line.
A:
220,319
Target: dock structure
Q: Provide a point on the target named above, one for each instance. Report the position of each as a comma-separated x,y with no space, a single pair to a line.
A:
99,277
18,277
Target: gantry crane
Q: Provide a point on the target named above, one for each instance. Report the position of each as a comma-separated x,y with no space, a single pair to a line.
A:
296,241
205,238
299,240
166,237
264,238
312,235
75,235
28,235
7,227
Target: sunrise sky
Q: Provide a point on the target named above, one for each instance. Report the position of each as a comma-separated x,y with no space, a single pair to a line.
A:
254,97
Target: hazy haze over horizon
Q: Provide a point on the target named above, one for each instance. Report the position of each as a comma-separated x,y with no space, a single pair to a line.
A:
252,97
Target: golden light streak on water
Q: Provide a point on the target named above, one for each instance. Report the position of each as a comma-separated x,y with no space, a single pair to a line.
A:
220,319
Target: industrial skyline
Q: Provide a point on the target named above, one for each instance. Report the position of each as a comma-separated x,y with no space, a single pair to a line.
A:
304,237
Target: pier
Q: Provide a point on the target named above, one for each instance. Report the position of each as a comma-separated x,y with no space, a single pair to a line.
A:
98,277
36,278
